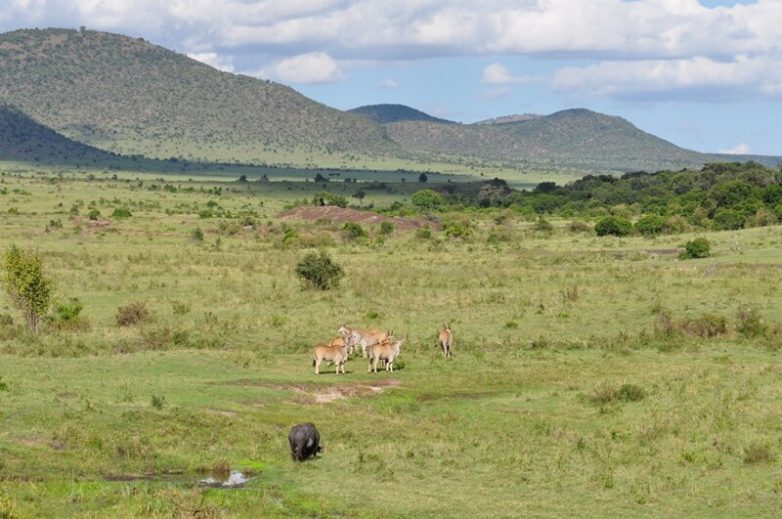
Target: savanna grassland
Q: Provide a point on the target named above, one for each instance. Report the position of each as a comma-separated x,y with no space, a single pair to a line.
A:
592,376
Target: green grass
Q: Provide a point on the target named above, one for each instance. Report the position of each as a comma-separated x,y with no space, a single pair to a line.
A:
566,396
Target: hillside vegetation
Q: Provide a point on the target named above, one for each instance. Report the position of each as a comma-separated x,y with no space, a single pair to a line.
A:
577,138
392,113
127,95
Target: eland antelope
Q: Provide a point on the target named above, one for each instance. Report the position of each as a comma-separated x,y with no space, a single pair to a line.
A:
337,354
445,338
388,351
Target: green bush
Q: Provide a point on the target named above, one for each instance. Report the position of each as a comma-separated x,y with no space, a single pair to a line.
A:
197,234
426,199
94,214
697,248
121,212
387,228
69,311
317,270
353,231
614,226
650,225
543,225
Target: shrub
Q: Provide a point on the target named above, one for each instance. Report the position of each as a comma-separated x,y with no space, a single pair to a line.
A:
94,214
197,234
132,313
3,385
650,225
353,231
387,228
423,233
579,226
121,212
614,226
69,311
697,248
319,271
25,284
728,219
706,326
750,324
426,199
459,230
543,225
608,394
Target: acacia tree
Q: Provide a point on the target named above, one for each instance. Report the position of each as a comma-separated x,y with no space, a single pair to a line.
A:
25,285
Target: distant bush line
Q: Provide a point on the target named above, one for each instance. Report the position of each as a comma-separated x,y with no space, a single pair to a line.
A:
720,196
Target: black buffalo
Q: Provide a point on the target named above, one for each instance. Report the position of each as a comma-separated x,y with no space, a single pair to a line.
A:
304,440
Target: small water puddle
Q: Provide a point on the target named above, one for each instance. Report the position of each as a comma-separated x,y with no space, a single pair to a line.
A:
236,479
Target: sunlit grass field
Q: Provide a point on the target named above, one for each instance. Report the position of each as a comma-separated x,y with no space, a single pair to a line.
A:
591,377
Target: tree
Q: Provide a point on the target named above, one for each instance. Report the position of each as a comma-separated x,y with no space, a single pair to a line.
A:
360,195
613,225
427,199
25,284
422,178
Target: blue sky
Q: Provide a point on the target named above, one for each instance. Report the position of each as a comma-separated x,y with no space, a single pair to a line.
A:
704,74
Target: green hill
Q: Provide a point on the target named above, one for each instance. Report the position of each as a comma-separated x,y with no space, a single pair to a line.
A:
576,138
129,96
392,113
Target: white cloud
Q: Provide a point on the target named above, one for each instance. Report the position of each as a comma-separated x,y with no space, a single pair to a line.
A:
700,76
739,149
389,84
213,60
308,38
497,74
314,67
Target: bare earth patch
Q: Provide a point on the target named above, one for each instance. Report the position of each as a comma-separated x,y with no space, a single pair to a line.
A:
320,394
341,215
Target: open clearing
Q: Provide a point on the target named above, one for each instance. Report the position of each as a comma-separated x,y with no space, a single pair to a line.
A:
591,377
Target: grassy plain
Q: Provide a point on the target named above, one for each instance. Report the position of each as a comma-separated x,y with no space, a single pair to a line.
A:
591,376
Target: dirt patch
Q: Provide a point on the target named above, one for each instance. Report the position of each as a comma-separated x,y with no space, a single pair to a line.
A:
342,215
306,393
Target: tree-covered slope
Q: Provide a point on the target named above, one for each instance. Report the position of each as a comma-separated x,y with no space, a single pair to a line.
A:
24,140
127,95
575,138
392,113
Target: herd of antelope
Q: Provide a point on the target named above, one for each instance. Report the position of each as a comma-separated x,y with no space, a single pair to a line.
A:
375,345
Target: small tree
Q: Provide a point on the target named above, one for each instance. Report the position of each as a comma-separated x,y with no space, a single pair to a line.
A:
422,178
25,285
319,271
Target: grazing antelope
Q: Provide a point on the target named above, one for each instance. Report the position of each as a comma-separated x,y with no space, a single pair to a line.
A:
446,340
337,354
363,337
388,350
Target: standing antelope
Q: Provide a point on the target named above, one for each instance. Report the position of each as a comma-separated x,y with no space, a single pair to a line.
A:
446,340
337,354
363,337
388,350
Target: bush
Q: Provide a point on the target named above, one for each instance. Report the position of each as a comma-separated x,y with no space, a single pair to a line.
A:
426,199
423,233
614,226
579,226
387,228
543,225
353,231
25,285
69,311
697,248
458,230
94,214
121,212
750,324
197,234
319,271
132,313
650,225
758,453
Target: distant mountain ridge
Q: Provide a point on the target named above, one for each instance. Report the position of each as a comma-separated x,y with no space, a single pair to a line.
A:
392,113
128,96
